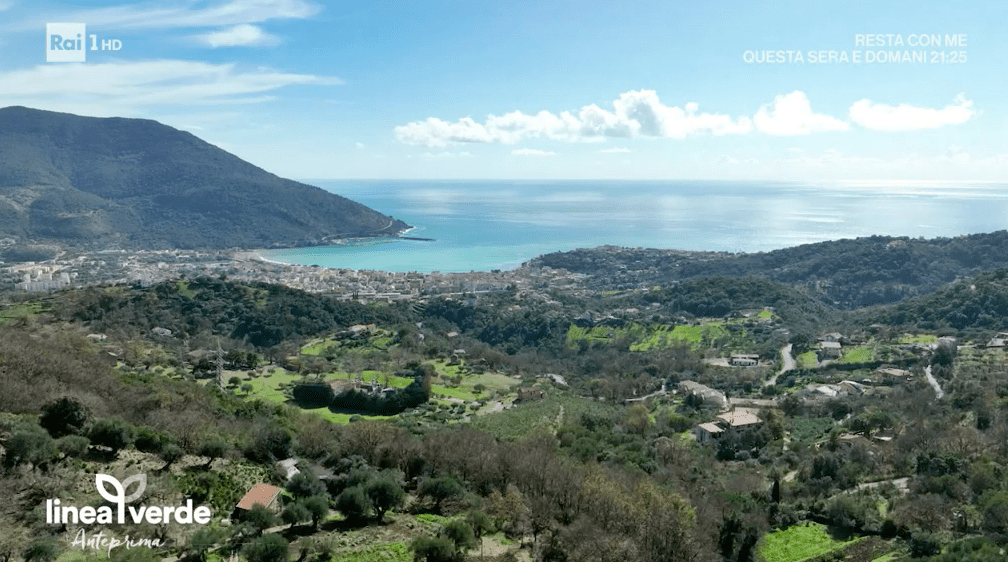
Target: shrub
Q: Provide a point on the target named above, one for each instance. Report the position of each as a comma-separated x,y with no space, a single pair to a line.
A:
65,416
73,445
267,548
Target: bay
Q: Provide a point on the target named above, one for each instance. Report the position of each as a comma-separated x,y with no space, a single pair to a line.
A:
486,225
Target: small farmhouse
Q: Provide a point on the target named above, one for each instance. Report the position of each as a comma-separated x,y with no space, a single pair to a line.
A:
706,431
725,422
529,394
830,349
743,360
263,494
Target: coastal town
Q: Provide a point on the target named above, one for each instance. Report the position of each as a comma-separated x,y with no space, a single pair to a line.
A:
149,267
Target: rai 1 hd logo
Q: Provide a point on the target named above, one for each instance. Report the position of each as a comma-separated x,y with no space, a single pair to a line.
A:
69,42
119,513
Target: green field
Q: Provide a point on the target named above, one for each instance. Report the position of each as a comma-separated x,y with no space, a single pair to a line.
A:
918,338
645,338
808,360
859,354
798,543
696,336
376,340
389,552
266,387
18,311
540,416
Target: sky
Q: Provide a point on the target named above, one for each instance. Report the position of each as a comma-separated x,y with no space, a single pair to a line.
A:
466,89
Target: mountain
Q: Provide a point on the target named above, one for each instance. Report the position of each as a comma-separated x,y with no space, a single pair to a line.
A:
843,273
93,183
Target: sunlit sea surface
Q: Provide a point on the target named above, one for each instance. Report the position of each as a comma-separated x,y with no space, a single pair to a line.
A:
485,225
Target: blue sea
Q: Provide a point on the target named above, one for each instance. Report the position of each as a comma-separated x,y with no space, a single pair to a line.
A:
485,225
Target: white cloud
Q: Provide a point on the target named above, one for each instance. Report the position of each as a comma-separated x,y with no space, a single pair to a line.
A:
243,35
635,113
6,5
905,117
359,145
614,150
531,152
185,14
791,114
126,88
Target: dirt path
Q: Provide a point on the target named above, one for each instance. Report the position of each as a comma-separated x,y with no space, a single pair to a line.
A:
934,382
900,483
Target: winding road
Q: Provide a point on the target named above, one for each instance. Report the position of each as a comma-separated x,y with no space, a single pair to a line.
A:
788,364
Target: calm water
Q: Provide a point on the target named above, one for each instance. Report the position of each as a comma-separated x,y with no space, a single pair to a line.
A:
483,225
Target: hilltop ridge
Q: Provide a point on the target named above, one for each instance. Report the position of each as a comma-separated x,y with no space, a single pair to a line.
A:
89,182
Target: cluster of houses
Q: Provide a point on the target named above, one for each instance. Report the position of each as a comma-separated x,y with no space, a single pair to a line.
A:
730,420
46,278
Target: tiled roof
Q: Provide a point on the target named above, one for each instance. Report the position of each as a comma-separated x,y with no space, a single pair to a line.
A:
736,419
260,493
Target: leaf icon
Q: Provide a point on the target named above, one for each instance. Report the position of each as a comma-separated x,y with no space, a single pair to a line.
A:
101,480
141,481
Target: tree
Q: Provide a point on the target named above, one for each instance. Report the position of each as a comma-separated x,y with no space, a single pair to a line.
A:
213,448
260,518
295,513
792,405
305,484
461,535
113,433
200,542
65,416
354,503
433,549
270,444
30,446
995,512
481,525
440,489
638,419
170,454
42,549
385,494
318,507
508,510
270,547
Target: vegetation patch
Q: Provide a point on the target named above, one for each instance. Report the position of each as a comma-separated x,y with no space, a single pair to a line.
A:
808,360
389,552
918,338
859,354
798,543
182,286
20,311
